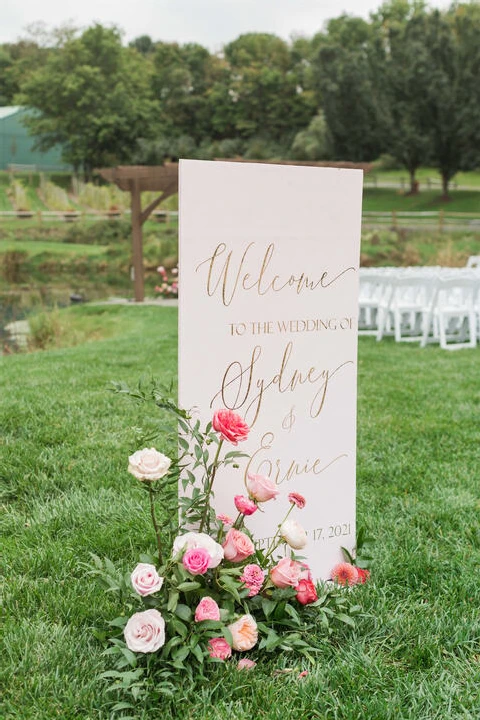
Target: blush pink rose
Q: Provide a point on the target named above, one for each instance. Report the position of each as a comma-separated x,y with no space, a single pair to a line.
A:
244,633
286,573
219,648
345,574
306,592
245,664
148,464
244,505
237,546
207,609
145,579
253,577
145,631
230,426
196,561
261,488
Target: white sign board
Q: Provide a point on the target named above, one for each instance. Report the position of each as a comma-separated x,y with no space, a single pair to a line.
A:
269,259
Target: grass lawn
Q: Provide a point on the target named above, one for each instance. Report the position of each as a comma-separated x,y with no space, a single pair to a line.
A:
468,179
65,444
387,199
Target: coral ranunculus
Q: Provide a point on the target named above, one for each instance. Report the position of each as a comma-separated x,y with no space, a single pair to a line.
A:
244,633
306,592
297,499
363,575
345,574
237,546
261,488
230,426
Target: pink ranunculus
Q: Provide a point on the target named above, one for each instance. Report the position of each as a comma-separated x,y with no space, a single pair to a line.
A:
345,574
145,631
207,609
245,664
306,592
285,573
219,648
237,546
225,519
244,633
145,579
230,426
253,577
297,499
148,464
293,533
244,505
261,488
196,561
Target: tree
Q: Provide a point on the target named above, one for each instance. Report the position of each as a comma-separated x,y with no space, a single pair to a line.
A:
93,97
313,143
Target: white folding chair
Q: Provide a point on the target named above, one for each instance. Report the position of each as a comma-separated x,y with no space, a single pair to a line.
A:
454,312
473,261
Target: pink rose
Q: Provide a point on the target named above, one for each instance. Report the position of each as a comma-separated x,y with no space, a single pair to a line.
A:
199,540
230,426
297,499
245,664
196,561
237,546
145,579
253,577
145,631
286,573
244,505
345,574
306,592
219,648
148,464
207,609
305,572
261,488
244,633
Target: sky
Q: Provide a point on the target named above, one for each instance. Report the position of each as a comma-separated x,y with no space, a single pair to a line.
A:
212,23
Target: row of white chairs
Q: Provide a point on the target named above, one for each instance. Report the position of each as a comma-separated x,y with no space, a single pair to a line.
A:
421,304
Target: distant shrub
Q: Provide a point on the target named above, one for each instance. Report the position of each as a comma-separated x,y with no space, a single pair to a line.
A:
387,162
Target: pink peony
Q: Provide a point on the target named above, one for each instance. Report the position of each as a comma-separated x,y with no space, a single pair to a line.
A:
219,648
225,519
237,546
148,464
230,426
244,633
207,609
196,561
145,631
306,592
245,664
253,577
297,499
145,579
244,505
261,488
345,574
286,573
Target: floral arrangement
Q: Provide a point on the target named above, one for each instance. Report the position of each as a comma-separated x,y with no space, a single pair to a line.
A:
209,594
168,287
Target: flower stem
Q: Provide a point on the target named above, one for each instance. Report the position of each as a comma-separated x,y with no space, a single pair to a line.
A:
209,487
155,525
277,540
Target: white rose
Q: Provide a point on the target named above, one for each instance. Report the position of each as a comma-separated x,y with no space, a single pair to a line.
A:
148,464
145,631
199,540
294,534
145,579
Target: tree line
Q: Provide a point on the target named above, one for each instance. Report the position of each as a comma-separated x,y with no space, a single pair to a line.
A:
405,83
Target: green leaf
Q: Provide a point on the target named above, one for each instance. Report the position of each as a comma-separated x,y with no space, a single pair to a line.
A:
189,586
197,651
183,612
268,606
172,600
346,619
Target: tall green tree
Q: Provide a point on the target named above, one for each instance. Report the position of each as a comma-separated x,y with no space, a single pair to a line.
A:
93,97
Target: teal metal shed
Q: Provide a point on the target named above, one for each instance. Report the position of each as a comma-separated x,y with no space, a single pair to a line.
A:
16,145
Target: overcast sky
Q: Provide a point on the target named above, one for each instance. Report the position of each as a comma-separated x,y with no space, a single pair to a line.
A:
211,23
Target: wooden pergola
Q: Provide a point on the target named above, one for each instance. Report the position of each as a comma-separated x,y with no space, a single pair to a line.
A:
136,179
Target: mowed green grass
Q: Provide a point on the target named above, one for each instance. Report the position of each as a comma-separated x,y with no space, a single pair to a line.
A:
387,199
66,438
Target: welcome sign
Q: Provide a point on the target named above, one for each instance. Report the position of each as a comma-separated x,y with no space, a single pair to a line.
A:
269,259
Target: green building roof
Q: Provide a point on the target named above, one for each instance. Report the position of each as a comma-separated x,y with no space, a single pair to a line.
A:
17,146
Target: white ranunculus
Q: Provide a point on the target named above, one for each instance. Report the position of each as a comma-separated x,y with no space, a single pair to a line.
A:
146,580
294,534
148,464
145,631
199,540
